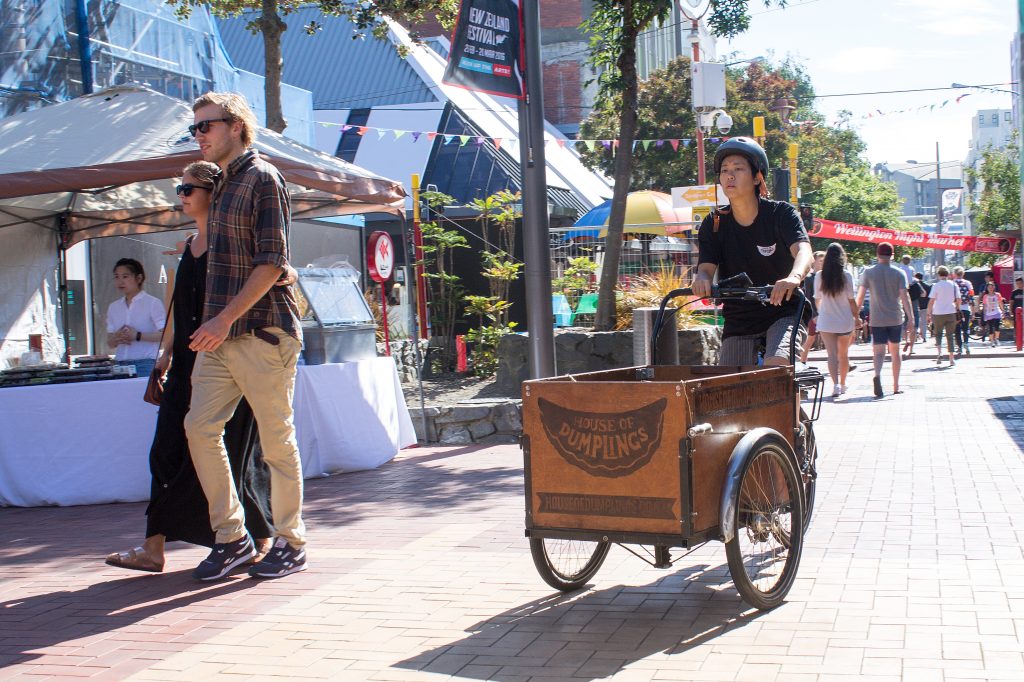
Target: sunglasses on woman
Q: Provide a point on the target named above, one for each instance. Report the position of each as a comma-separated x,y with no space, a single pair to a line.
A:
187,189
204,126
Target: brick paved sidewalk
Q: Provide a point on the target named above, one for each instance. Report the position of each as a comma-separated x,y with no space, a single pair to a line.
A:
912,570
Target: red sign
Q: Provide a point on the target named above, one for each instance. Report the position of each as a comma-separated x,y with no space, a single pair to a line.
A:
830,229
380,256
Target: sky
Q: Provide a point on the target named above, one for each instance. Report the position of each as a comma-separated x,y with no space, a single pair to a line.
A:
869,46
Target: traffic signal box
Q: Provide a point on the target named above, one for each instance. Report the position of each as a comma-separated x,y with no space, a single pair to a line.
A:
807,216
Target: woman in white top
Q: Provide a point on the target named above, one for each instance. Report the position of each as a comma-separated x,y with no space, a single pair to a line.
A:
992,312
943,312
837,314
135,320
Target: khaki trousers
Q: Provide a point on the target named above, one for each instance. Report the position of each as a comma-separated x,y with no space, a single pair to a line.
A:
265,375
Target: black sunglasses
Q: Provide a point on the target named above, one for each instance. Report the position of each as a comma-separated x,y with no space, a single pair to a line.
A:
188,188
204,126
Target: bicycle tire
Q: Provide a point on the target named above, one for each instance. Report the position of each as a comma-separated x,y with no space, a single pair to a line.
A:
567,565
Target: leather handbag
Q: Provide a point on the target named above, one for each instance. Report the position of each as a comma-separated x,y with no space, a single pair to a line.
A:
155,386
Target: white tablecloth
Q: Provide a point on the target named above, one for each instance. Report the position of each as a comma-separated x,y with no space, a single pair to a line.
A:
89,443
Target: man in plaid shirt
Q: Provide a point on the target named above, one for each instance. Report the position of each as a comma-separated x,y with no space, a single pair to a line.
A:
248,344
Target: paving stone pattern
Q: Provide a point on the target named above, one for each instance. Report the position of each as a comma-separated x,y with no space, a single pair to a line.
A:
912,570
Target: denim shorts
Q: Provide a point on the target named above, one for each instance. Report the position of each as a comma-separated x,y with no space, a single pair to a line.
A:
882,335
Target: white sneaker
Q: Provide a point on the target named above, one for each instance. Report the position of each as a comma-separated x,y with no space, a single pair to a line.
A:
837,391
842,389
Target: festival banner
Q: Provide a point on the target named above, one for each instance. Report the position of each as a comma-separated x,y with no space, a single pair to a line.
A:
487,48
830,229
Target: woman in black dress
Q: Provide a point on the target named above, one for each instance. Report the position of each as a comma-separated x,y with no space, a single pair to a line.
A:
178,509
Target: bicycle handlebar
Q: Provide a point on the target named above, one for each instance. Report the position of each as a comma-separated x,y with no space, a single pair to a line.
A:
743,292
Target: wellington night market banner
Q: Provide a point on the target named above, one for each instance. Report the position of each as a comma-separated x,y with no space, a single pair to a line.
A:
830,229
487,48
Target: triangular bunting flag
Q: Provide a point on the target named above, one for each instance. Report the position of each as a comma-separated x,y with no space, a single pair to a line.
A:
415,135
478,140
497,143
381,133
675,145
361,130
431,135
448,138
591,144
561,143
606,144
659,143
399,133
346,127
635,144
464,139
646,144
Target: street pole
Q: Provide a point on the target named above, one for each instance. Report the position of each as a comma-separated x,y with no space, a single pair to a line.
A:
695,41
1019,67
940,254
539,315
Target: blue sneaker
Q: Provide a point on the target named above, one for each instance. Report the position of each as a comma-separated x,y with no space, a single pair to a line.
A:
224,557
281,560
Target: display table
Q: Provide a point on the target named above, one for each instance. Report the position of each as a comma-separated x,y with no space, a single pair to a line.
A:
88,443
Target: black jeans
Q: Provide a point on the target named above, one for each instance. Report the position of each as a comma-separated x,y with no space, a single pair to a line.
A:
963,324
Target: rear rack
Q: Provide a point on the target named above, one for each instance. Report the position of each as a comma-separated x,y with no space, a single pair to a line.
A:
810,382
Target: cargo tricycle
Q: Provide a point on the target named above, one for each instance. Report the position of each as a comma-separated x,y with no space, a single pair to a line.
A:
660,457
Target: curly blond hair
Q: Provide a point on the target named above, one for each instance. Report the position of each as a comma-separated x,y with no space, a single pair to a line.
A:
236,108
203,171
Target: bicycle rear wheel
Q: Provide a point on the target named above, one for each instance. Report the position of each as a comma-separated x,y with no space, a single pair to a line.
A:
567,564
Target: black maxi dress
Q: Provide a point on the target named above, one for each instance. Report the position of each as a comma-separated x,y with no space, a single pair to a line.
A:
178,508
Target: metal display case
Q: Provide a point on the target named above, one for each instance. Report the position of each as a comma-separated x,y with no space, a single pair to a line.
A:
337,325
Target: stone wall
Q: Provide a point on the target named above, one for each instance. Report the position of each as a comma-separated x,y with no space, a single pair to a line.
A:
404,354
579,350
494,420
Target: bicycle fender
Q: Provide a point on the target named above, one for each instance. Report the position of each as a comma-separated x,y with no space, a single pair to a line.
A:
741,454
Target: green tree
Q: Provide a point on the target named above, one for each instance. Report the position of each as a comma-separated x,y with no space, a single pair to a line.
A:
613,28
856,196
998,205
365,17
751,91
446,289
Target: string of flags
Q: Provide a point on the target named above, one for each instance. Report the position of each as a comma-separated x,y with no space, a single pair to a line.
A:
610,144
462,140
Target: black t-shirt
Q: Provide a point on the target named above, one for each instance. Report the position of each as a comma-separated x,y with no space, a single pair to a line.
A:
922,302
915,290
1016,299
762,250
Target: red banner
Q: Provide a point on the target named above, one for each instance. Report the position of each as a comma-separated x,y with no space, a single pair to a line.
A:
830,229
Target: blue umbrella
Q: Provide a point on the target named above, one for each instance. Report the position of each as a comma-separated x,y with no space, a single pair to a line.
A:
595,217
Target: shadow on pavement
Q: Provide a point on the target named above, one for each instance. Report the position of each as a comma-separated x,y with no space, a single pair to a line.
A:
45,620
591,635
1009,410
409,486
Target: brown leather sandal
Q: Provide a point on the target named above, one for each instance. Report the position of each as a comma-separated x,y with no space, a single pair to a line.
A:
134,560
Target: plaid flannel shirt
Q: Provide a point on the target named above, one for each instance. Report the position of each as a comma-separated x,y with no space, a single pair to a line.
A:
248,226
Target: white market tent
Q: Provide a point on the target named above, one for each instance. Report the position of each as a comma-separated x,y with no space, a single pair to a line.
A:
106,164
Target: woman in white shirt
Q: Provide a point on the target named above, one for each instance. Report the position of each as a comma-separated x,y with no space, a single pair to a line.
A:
135,320
943,312
837,314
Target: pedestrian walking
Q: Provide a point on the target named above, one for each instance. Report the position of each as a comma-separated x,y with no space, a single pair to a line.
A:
922,304
248,342
992,312
943,312
808,289
890,308
837,314
963,324
916,293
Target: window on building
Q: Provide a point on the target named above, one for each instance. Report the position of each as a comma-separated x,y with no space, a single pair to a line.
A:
995,119
1006,116
981,119
348,145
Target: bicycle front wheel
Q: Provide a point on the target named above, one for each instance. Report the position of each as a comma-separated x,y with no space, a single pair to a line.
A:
764,553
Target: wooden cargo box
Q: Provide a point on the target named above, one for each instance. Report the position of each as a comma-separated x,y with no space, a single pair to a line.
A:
608,452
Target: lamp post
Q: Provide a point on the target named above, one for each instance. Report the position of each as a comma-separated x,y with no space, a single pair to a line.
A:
694,10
